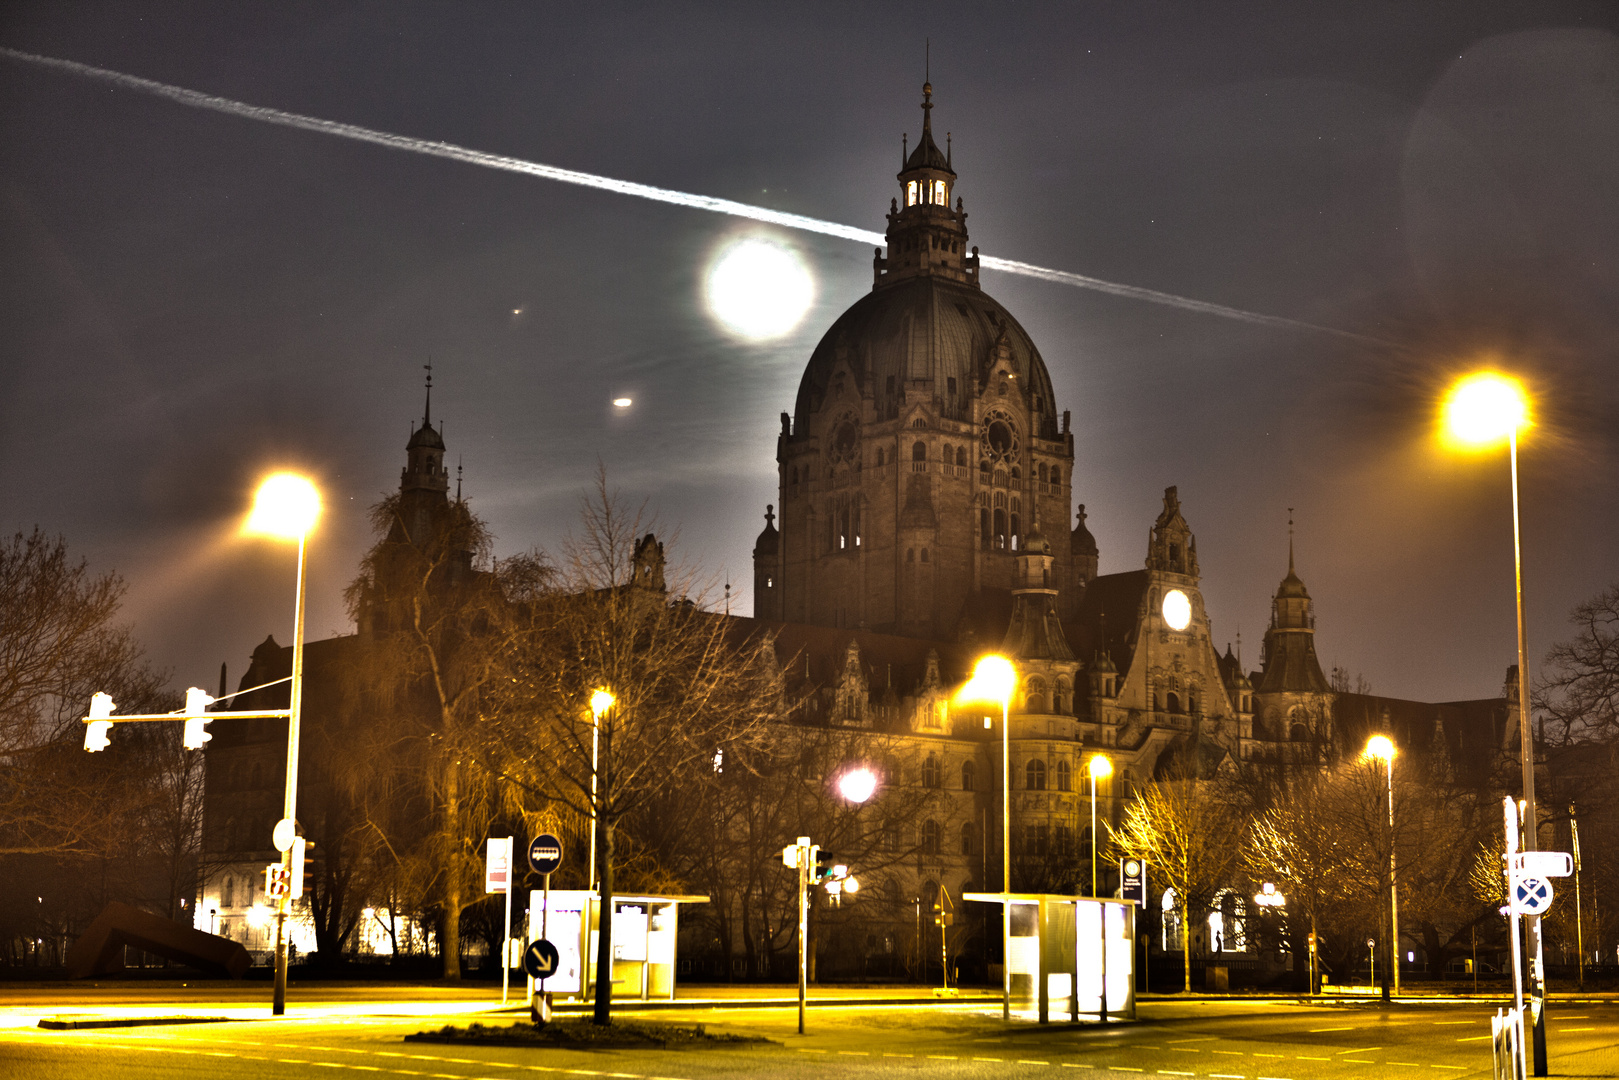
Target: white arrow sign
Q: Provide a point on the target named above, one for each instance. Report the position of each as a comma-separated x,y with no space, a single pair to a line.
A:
1543,863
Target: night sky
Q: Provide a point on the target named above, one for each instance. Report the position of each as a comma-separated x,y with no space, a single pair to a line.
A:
191,299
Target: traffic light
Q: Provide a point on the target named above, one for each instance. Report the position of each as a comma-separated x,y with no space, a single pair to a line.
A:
96,731
297,888
822,866
197,702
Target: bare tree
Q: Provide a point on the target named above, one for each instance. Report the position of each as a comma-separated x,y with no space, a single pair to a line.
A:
685,698
1579,691
59,644
1191,838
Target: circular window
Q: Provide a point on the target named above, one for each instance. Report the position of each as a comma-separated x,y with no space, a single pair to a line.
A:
1000,436
1177,610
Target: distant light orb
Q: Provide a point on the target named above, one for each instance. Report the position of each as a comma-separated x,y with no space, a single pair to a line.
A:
622,403
517,311
1177,610
759,289
857,785
1485,407
285,505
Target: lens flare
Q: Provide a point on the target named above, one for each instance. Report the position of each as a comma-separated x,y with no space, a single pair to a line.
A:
857,785
1485,408
759,289
286,505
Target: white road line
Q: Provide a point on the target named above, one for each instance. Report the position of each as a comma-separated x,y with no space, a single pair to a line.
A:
1317,1031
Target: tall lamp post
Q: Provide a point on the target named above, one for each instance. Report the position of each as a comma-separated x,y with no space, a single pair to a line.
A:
1381,748
600,702
287,506
1100,768
1480,411
993,680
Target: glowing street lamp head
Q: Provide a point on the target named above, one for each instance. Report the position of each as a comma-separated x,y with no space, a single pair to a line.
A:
1100,767
286,505
1485,408
600,702
993,679
1380,748
857,785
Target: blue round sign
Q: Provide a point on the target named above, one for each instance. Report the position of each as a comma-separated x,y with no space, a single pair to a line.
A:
541,959
544,853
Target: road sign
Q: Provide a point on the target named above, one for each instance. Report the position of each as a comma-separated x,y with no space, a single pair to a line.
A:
1543,864
1531,895
285,831
1133,880
544,853
498,864
540,959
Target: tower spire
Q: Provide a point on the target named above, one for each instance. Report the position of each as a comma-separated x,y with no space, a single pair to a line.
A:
427,411
1290,540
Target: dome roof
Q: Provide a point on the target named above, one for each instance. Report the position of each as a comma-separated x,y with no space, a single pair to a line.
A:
1291,586
925,327
426,436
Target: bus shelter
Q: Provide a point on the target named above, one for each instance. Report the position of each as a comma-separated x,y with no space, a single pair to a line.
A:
1072,951
645,929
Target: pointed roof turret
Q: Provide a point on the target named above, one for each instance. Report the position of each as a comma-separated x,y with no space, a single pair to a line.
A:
927,154
926,237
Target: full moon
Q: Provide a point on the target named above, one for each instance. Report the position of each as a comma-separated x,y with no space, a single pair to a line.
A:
759,289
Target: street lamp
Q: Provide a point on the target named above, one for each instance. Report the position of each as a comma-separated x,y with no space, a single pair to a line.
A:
600,702
1100,768
1381,748
857,784
287,506
993,680
1479,412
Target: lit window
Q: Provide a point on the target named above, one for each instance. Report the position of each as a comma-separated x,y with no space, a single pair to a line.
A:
910,193
939,194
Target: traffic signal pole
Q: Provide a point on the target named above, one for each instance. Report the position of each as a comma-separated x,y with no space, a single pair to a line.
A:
806,855
290,802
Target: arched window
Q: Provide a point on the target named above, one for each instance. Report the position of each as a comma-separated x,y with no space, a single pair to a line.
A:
1042,472
924,554
910,193
930,771
1056,475
983,527
919,451
910,555
969,838
947,456
961,457
1191,701
999,542
1016,532
879,457
930,837
940,197
1065,695
1299,733
969,775
1173,702
1065,775
1035,775
1034,699
919,422
983,471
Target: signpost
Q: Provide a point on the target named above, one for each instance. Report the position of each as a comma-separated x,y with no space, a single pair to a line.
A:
498,878
1133,880
1531,895
544,856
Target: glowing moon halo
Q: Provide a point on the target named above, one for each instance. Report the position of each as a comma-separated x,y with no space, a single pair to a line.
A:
758,289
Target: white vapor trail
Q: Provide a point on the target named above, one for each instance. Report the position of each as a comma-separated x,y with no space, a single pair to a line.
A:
199,100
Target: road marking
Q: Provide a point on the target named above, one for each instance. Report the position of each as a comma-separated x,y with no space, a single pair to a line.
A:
988,1059
1458,1068
1077,1065
933,1057
1232,1053
1363,1049
1172,1072
1452,1023
1361,1061
1303,1057
1475,1038
1228,1076
899,1055
1573,1018
807,1050
1317,1031
1562,1030
1185,1050
1025,1061
1413,1064
1270,1055
855,1053
1200,1038
1122,1068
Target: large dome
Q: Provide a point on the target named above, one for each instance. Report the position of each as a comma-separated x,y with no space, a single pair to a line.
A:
925,328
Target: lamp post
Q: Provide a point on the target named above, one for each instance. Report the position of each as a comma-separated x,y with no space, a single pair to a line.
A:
600,702
1381,748
1480,410
286,506
993,680
1100,768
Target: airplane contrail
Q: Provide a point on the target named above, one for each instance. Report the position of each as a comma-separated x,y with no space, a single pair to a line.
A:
197,99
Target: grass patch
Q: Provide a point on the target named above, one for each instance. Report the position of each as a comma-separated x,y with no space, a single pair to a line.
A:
579,1033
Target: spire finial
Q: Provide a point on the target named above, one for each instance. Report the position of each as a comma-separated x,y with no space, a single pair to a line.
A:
458,478
927,86
427,412
1289,539
770,515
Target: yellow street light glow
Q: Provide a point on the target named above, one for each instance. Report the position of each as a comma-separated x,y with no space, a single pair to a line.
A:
993,679
600,702
286,505
1100,767
258,915
857,785
622,402
1381,748
1485,408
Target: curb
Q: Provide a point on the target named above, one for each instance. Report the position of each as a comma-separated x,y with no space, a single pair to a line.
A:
85,1023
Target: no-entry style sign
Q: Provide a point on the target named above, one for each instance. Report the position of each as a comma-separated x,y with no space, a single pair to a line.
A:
1531,895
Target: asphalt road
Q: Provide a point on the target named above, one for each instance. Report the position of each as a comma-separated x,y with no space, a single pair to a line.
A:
1216,1040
